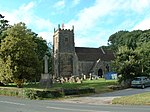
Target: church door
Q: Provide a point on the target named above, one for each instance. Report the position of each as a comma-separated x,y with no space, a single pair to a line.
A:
100,73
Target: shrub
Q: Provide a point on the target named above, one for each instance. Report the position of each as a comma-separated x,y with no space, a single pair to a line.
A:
49,94
78,91
29,93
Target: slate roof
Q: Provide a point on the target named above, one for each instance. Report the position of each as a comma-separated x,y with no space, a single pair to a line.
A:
93,54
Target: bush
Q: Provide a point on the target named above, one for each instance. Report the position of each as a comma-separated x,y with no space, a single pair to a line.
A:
31,94
50,94
78,91
37,94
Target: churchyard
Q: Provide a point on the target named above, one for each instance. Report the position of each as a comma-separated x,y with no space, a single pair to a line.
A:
59,89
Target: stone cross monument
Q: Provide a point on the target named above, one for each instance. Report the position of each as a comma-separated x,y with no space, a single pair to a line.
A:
46,64
46,80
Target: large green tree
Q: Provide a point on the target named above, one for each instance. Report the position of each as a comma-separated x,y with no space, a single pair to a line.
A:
18,58
127,63
132,53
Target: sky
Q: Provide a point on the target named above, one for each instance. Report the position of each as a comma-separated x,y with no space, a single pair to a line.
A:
94,20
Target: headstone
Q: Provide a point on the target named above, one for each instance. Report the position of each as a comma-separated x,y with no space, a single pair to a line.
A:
46,80
90,76
66,79
72,79
84,77
62,80
78,80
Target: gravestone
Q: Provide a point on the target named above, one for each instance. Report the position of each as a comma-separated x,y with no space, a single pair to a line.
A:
62,80
72,79
90,76
84,77
46,80
78,80
66,79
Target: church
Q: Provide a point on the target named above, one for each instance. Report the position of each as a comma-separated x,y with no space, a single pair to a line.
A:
75,61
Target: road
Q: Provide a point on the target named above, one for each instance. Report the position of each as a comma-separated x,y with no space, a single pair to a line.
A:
13,104
106,98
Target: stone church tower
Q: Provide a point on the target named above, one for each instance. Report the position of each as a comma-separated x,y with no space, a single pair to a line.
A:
65,59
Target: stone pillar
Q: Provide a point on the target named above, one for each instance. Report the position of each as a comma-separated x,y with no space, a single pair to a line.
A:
46,64
46,80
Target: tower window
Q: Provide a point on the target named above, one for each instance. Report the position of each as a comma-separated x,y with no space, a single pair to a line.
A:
66,39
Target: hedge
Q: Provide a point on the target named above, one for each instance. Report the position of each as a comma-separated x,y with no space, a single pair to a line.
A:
40,94
78,91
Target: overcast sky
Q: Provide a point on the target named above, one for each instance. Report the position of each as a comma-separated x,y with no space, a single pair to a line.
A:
94,20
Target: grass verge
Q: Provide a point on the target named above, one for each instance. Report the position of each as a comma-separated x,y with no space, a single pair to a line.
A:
138,99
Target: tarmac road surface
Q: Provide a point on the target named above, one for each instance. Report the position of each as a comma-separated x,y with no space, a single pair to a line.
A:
106,98
94,103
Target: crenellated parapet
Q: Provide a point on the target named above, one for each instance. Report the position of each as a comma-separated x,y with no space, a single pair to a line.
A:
63,29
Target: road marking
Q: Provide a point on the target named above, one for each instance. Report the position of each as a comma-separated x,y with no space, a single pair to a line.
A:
14,103
78,110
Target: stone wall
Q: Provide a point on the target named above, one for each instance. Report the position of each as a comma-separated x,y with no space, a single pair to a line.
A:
66,64
85,67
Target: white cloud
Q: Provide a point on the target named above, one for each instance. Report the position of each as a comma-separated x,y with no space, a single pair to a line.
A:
143,25
46,35
60,4
87,21
139,5
91,40
75,2
27,7
25,14
42,24
90,18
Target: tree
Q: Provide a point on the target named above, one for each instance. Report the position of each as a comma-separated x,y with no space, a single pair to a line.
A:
127,63
132,53
18,58
144,53
125,38
116,40
3,26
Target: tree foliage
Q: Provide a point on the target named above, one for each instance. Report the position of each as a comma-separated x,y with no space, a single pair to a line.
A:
19,61
144,53
127,63
132,53
3,26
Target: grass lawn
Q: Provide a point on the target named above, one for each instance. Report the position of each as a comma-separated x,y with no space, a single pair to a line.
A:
138,99
100,85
